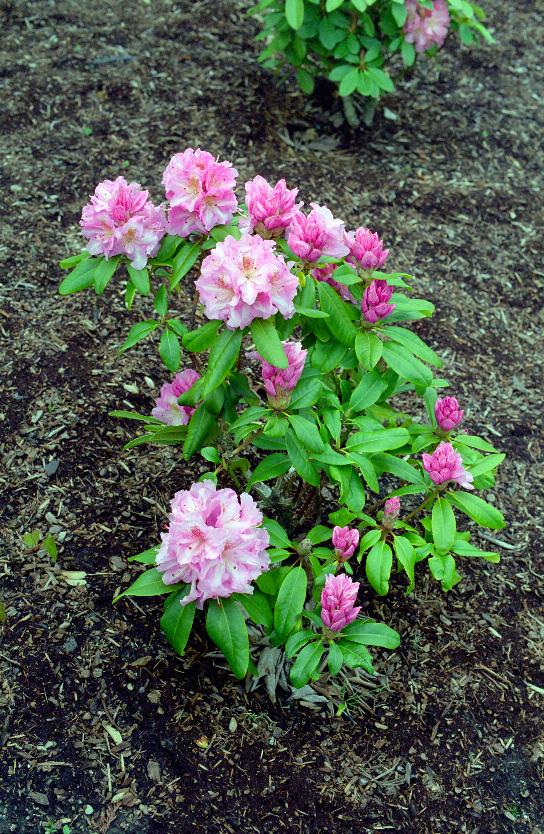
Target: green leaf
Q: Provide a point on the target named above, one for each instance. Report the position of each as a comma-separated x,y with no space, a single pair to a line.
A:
488,464
474,442
140,279
149,584
372,634
258,608
381,78
307,433
349,82
367,392
319,534
202,338
278,536
368,349
138,332
198,429
50,546
184,262
408,53
366,468
297,640
464,548
306,664
210,454
335,659
146,557
407,557
398,10
384,462
268,343
299,458
305,394
351,489
79,278
478,510
294,12
177,327
305,81
177,622
377,441
331,5
227,627
379,562
104,273
290,601
272,466
406,365
223,355
443,526
443,569
160,302
339,322
170,351
414,344
356,655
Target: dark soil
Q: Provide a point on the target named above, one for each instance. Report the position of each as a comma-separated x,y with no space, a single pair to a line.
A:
450,738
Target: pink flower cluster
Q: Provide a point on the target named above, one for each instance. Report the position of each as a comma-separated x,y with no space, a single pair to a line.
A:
445,464
214,543
241,280
280,382
200,191
375,303
338,601
366,249
448,414
344,540
426,27
167,409
316,235
121,220
270,210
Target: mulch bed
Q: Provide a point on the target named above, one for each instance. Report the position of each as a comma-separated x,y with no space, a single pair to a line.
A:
101,727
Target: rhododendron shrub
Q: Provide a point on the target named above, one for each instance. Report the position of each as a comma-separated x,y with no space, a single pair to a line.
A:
327,460
360,45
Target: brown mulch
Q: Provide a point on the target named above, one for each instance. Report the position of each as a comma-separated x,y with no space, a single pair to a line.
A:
101,727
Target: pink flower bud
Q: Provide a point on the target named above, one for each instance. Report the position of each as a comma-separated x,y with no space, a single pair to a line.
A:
345,540
391,508
445,464
280,382
167,409
270,210
338,601
448,414
366,249
375,304
326,274
317,235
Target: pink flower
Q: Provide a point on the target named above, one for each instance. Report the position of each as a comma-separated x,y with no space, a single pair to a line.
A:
317,235
166,408
445,464
338,601
200,191
426,27
121,220
325,274
391,508
280,382
214,543
447,412
270,210
366,249
345,540
375,304
241,280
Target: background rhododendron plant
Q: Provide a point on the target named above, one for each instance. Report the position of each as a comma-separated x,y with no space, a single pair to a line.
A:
361,46
324,448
